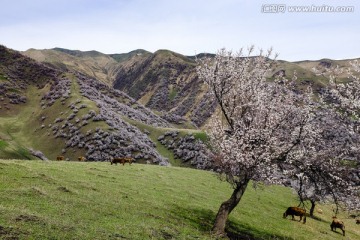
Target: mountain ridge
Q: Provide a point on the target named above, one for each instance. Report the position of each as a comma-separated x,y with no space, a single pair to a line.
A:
48,112
74,114
166,81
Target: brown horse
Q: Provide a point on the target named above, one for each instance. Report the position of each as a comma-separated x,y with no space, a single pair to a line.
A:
60,158
336,223
295,211
122,160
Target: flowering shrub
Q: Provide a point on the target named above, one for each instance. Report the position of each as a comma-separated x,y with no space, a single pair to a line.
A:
101,94
187,149
122,139
60,89
38,154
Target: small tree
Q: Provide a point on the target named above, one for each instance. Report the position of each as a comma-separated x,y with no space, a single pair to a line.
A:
261,122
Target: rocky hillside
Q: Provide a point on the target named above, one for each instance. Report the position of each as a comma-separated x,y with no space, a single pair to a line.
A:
166,81
62,113
17,73
47,112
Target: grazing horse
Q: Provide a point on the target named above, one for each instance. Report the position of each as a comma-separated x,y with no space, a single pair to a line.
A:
295,211
82,159
60,158
336,223
357,221
122,160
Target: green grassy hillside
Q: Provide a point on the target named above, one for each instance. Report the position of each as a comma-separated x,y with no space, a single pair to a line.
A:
69,114
21,128
166,81
74,200
92,63
123,57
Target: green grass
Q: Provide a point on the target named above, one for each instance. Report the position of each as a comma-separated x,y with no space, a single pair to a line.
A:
75,200
156,132
12,129
2,77
21,128
22,124
202,136
11,150
172,93
3,144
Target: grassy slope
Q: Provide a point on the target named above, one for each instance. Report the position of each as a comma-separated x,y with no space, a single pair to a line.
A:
74,200
164,65
156,132
20,129
95,64
12,127
122,57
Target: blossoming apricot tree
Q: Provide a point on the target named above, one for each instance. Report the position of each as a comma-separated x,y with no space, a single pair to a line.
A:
268,131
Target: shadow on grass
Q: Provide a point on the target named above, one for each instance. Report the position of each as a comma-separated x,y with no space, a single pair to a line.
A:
10,233
318,219
203,220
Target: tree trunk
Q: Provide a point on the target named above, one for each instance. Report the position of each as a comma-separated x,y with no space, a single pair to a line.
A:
227,206
312,208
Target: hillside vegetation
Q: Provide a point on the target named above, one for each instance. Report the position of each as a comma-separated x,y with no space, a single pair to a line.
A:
73,200
47,112
165,81
92,63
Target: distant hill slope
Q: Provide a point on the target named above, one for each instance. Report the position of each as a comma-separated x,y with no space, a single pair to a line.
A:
63,113
56,112
123,57
92,63
166,81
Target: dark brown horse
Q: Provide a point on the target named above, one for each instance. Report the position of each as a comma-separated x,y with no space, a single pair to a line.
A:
295,211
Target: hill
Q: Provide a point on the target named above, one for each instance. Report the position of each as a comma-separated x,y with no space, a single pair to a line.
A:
167,85
92,63
47,112
159,102
73,200
123,57
165,81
